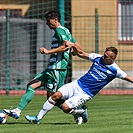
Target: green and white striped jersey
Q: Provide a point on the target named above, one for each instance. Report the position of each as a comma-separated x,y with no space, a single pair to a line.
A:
60,60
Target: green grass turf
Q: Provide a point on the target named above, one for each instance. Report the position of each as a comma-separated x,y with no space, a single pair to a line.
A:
107,114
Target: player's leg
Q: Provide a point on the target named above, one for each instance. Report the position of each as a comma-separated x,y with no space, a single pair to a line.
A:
27,97
75,104
71,86
60,76
81,110
49,104
58,103
65,92
55,79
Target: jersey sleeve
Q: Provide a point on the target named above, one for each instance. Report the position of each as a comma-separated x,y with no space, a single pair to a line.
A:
121,74
92,56
73,39
61,35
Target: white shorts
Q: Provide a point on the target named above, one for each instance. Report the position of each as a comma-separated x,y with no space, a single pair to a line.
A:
73,95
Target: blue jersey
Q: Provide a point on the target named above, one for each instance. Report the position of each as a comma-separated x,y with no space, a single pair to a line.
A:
99,75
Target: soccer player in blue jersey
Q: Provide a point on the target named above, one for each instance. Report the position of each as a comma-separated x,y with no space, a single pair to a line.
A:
76,93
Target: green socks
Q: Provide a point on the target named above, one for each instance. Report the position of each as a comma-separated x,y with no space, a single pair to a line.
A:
27,97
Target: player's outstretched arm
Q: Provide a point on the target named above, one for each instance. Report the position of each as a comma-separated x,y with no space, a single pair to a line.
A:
77,50
60,49
129,78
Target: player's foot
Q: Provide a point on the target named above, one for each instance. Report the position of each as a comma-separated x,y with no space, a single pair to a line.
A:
78,119
12,112
84,115
33,119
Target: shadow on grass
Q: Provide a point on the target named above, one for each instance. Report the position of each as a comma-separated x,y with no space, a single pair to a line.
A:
12,123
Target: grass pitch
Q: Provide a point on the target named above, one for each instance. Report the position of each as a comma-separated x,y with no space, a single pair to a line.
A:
107,114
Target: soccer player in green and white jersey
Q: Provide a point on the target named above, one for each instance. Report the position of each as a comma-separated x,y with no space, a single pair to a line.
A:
53,77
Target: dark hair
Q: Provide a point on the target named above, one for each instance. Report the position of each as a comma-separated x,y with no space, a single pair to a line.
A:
113,49
52,15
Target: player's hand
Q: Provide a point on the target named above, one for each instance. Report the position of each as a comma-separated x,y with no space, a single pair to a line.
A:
73,51
68,44
43,50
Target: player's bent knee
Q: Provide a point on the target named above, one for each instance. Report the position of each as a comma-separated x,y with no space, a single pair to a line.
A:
65,108
56,96
35,83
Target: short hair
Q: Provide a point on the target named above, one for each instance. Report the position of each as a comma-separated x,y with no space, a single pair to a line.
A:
52,15
113,49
